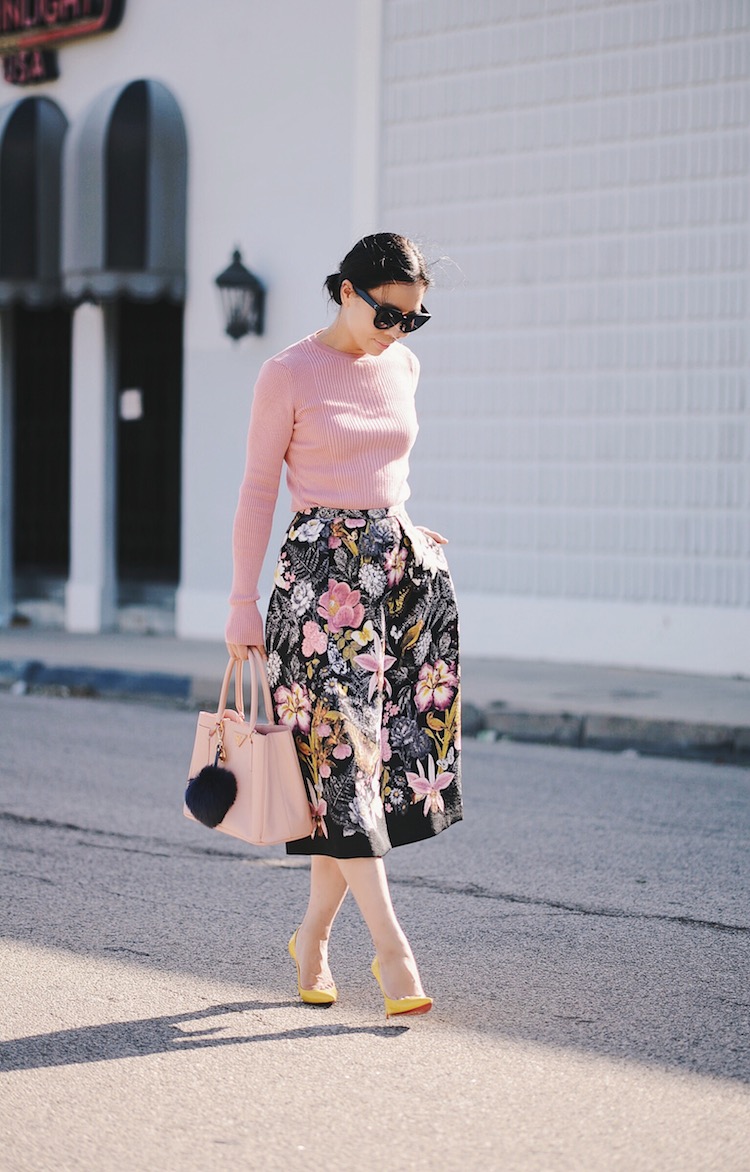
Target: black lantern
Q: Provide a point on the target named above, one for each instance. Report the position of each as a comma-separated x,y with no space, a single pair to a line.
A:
242,299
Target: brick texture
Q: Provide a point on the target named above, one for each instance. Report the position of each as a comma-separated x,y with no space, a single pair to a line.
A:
585,420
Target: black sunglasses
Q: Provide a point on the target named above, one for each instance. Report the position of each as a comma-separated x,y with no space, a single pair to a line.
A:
387,316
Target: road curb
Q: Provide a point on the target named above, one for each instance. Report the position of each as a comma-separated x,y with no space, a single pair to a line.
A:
497,720
21,675
612,733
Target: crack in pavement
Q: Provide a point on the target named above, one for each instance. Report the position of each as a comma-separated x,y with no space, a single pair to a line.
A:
92,831
464,890
12,874
476,891
128,850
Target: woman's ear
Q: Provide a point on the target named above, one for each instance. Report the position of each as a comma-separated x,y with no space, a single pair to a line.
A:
346,292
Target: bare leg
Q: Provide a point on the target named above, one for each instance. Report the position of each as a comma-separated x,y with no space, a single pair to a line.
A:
327,892
369,886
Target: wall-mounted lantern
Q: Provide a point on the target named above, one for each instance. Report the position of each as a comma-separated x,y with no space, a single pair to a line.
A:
242,299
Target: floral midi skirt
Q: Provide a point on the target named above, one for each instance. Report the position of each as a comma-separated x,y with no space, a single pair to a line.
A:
362,639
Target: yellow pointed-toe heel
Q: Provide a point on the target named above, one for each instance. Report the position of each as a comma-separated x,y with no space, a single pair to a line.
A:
310,996
400,1006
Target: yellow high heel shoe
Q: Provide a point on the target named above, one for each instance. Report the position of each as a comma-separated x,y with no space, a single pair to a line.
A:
310,996
396,1006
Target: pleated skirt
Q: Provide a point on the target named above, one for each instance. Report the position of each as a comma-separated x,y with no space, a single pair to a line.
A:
363,662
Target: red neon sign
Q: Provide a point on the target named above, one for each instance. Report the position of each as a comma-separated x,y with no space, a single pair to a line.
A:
43,24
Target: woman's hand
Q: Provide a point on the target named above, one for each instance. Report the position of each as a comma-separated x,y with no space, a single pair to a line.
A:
438,537
239,651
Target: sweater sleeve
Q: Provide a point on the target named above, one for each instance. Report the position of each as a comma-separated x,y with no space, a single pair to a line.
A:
269,435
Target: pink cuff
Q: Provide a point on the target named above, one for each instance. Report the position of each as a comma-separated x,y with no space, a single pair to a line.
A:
245,626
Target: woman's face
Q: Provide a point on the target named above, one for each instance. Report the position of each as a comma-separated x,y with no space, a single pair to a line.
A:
358,318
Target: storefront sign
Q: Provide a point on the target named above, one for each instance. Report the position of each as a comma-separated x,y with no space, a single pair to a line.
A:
31,67
31,31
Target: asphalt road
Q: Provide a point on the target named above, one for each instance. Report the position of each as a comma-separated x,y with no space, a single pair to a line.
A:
585,933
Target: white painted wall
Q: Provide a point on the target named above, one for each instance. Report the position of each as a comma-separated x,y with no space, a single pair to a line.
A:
584,399
272,152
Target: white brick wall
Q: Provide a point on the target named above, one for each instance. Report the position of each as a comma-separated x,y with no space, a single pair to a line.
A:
584,404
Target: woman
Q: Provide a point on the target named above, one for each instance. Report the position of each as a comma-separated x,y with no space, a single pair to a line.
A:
361,635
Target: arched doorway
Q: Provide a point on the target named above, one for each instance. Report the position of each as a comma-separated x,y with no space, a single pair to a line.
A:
124,249
35,339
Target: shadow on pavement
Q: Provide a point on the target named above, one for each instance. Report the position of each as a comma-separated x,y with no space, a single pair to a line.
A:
96,859
159,1035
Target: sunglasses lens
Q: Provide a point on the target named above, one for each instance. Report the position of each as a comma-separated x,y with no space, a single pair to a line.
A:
386,319
414,322
387,316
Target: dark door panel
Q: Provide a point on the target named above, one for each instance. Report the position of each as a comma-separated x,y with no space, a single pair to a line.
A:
149,445
41,541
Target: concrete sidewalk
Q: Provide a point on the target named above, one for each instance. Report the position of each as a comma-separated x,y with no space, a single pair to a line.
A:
662,713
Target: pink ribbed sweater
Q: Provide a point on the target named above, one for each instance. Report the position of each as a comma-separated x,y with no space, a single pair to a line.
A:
344,424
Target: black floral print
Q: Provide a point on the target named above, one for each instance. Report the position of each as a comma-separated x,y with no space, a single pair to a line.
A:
363,662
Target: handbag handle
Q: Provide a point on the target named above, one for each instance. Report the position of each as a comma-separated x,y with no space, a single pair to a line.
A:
258,680
265,687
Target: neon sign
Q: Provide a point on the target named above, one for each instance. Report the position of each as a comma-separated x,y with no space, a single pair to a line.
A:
32,30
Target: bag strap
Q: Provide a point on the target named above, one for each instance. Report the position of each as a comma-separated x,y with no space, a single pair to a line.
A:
235,666
258,681
260,665
224,693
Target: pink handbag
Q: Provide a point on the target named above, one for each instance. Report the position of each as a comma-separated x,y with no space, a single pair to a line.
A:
245,777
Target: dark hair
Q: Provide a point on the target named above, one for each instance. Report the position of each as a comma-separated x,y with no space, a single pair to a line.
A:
382,259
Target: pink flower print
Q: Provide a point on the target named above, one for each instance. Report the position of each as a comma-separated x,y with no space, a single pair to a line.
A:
341,752
435,685
334,541
318,810
341,606
395,564
324,770
314,638
293,707
428,786
385,746
378,663
355,522
323,730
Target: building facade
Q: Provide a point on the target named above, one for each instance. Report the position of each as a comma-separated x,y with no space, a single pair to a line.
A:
578,173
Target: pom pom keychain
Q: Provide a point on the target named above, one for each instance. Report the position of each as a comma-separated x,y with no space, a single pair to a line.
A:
210,796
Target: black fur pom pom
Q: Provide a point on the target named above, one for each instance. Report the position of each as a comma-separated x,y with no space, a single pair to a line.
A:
211,794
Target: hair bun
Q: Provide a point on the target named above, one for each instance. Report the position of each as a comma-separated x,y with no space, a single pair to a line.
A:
333,285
